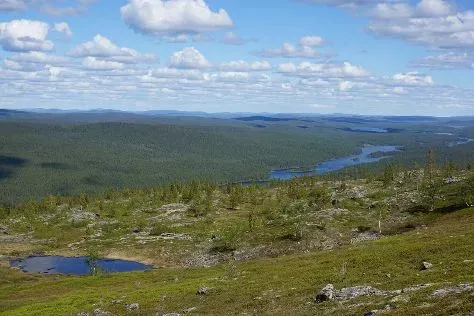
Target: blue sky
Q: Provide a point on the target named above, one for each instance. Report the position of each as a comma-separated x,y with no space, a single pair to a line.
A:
395,57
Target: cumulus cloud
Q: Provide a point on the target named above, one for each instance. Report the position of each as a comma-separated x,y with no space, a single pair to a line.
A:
93,63
344,3
345,85
101,46
413,79
25,35
244,66
38,58
307,69
189,58
230,38
433,23
13,5
449,60
52,7
310,41
288,50
172,17
63,27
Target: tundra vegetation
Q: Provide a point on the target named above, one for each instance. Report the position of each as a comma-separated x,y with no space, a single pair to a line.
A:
396,242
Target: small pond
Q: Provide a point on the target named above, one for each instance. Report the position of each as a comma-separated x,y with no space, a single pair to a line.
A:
369,154
75,265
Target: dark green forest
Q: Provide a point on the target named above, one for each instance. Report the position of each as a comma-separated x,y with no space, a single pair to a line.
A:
71,154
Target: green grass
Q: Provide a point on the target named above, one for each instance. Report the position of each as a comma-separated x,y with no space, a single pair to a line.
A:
273,286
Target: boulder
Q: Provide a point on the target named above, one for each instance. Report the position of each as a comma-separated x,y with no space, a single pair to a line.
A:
327,293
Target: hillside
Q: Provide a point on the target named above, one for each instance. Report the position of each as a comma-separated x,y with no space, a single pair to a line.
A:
69,154
399,243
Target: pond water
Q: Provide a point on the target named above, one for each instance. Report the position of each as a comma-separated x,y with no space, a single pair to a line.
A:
75,265
366,156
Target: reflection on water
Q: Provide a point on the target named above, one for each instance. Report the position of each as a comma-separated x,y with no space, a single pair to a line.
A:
75,265
366,156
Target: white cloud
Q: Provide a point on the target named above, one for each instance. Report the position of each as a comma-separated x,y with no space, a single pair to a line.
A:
288,50
172,17
38,57
345,85
307,69
13,5
449,60
92,63
25,35
76,7
399,90
102,47
413,78
311,41
230,38
244,66
189,58
47,6
432,8
343,3
63,27
433,23
392,11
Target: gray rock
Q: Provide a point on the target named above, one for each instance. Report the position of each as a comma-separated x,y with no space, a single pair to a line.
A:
101,312
189,310
202,291
458,289
356,291
426,265
133,307
83,314
327,293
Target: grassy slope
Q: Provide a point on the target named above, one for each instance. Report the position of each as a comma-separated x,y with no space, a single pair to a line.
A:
284,285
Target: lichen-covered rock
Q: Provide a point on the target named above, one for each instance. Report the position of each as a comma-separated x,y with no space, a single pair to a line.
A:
426,265
458,289
356,291
327,293
133,307
202,291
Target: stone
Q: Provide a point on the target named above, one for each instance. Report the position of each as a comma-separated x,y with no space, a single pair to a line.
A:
101,312
356,291
426,265
327,293
202,291
189,310
133,307
83,314
458,289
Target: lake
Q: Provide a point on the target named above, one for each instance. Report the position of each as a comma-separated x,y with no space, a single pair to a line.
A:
366,156
74,265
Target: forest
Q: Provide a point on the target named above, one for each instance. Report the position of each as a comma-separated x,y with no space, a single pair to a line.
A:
65,154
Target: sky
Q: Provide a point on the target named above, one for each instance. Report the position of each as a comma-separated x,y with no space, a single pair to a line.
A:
368,57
